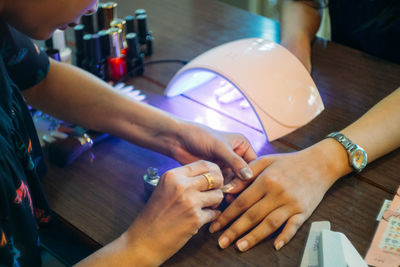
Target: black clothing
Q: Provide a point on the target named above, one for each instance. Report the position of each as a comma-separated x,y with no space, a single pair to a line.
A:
372,26
23,206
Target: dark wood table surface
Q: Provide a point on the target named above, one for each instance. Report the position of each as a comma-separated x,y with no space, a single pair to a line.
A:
102,192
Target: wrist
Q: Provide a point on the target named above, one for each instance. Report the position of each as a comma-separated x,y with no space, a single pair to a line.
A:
333,159
140,250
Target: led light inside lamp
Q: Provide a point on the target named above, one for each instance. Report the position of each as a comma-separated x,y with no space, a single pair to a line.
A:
253,81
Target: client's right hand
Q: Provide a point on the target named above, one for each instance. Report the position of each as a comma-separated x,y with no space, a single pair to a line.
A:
179,206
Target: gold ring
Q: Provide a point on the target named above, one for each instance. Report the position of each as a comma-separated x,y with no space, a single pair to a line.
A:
210,180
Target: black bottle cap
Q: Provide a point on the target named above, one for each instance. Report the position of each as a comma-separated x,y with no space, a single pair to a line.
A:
100,17
53,53
87,20
79,32
104,43
95,48
142,27
133,45
140,11
130,24
49,43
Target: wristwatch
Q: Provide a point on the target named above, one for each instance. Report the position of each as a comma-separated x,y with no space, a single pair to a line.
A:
357,155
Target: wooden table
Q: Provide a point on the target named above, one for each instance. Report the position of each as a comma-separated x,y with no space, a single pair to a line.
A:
102,192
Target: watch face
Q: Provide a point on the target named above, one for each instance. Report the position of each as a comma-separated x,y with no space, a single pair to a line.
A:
359,159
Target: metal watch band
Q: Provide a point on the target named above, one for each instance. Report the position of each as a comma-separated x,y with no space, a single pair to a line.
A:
346,142
353,151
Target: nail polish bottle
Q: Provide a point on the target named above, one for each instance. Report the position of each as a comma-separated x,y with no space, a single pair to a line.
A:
79,51
50,51
142,28
109,12
120,24
100,17
140,11
105,49
151,179
116,62
86,52
134,57
59,43
87,20
97,63
130,24
149,43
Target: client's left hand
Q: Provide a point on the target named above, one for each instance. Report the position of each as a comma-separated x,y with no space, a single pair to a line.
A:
288,189
231,151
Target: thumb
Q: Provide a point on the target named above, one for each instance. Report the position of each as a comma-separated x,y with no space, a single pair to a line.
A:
234,161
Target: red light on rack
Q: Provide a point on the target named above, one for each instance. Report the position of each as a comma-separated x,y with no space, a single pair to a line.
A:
117,68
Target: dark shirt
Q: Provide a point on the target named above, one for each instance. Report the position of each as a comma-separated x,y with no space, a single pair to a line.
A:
23,206
372,26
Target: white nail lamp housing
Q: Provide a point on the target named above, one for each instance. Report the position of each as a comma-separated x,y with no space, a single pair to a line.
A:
253,81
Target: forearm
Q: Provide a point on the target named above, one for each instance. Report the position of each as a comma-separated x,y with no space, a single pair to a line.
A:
121,252
377,132
300,21
78,97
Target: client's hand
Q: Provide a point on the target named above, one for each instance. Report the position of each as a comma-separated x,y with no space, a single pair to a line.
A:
230,151
181,203
288,188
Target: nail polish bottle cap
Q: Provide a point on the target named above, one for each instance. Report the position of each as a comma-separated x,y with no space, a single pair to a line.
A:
115,42
110,12
59,40
100,17
142,25
133,45
130,24
79,32
86,45
140,11
87,20
95,48
49,43
104,43
120,24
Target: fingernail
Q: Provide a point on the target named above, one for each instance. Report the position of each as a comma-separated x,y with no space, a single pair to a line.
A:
279,245
243,245
227,188
246,173
214,227
223,242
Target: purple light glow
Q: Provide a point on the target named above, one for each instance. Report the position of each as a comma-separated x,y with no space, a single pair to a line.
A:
219,94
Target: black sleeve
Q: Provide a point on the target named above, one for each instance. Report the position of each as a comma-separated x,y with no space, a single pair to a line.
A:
26,64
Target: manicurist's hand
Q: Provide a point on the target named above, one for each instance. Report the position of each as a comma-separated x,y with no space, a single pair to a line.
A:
287,187
181,204
231,151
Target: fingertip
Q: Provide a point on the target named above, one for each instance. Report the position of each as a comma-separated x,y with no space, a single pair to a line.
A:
246,173
279,245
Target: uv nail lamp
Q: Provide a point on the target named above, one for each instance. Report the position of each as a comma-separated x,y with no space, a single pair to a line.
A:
253,81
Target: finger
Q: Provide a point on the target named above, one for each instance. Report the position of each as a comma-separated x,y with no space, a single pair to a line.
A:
270,224
248,220
248,155
260,164
290,229
230,198
211,198
257,166
238,206
208,215
235,186
228,174
233,160
203,181
196,168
